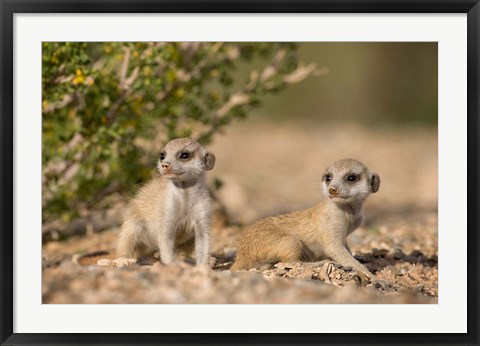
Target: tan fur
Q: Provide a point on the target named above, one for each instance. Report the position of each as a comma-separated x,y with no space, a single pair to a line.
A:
316,233
172,211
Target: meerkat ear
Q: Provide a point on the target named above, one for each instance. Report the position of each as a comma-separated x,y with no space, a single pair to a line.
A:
375,182
209,160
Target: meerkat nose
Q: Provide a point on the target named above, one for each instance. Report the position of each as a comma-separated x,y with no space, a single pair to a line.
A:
333,190
165,165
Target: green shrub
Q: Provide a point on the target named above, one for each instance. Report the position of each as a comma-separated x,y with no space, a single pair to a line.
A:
101,102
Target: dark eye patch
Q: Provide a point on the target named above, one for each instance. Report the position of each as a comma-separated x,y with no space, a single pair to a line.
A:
327,177
352,177
184,155
163,156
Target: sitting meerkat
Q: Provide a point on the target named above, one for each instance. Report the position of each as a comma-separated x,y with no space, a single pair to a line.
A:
316,233
172,211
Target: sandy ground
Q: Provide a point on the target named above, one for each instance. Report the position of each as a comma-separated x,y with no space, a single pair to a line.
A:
266,170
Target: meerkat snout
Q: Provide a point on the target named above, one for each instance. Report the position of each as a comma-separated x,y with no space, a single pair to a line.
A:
332,190
349,180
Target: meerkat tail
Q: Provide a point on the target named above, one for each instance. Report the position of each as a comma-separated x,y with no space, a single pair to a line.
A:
128,240
93,257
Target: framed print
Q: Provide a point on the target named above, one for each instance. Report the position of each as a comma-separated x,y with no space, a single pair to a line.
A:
239,173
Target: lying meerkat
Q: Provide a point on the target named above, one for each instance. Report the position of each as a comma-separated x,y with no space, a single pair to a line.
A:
172,211
316,233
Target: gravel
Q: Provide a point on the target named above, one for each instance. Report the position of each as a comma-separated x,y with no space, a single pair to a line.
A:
399,241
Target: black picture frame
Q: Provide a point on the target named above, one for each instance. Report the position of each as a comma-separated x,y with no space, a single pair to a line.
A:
10,7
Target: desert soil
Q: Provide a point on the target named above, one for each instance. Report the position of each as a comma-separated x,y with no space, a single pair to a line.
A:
266,170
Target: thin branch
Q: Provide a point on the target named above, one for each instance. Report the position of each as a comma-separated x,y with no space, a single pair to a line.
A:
301,73
67,100
237,99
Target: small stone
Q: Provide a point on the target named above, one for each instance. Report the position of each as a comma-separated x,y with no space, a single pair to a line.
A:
410,259
104,262
379,253
361,258
123,261
398,254
75,257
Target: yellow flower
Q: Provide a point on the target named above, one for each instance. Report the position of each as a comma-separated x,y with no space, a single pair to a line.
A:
78,80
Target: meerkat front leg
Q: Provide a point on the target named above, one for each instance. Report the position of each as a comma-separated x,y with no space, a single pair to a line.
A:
202,241
166,243
336,249
348,248
342,256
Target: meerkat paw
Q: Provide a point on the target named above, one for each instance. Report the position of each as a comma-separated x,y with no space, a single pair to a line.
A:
364,279
146,261
212,262
370,279
382,286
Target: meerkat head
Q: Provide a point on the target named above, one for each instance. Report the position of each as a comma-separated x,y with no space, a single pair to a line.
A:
348,180
184,159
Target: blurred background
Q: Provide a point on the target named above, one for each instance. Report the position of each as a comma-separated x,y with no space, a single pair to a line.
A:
374,83
274,114
377,103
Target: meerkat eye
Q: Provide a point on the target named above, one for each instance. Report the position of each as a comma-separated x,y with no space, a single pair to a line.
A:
352,177
185,155
162,156
328,177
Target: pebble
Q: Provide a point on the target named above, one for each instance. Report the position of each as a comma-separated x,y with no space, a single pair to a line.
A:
123,261
104,262
75,257
398,254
